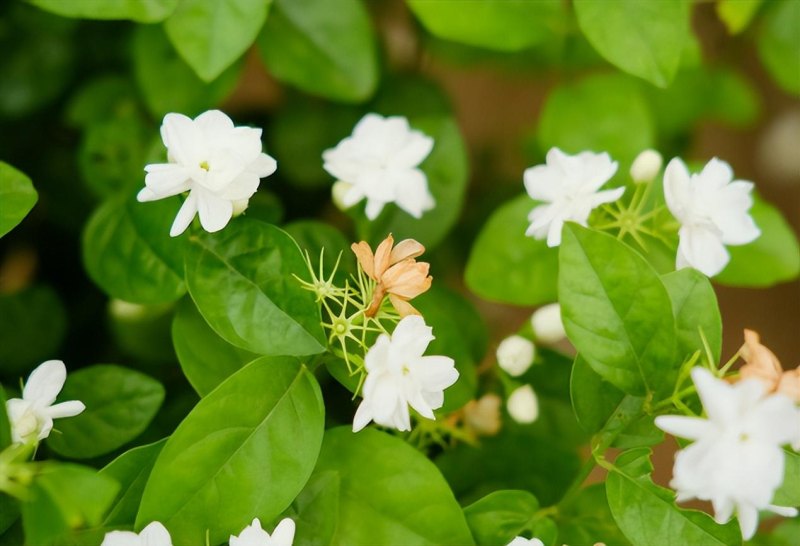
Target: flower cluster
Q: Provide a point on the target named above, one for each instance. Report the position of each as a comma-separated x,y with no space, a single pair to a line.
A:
155,534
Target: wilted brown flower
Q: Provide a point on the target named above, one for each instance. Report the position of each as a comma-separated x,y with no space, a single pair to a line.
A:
396,271
482,416
762,364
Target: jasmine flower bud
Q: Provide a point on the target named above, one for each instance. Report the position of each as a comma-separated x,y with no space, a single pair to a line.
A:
646,166
515,355
546,324
523,406
339,189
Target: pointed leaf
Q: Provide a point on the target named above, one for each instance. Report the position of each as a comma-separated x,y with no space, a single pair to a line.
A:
17,197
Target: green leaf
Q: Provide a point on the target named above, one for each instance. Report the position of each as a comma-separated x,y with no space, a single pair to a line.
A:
771,259
167,83
17,197
501,516
507,266
602,113
244,451
321,47
100,98
587,519
33,323
616,312
778,45
510,25
388,493
737,14
313,237
9,515
141,11
205,358
112,155
131,470
242,282
65,497
783,534
788,494
645,39
128,252
694,304
647,514
120,403
5,425
446,168
210,36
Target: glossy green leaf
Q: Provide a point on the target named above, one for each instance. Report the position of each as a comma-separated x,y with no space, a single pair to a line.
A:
784,533
108,96
33,323
778,45
315,237
210,36
17,197
5,425
205,358
771,259
510,25
616,311
586,519
501,516
242,282
788,494
65,497
388,493
131,470
167,83
120,403
112,155
9,515
694,304
321,47
647,513
128,252
645,39
600,113
737,14
446,168
141,11
244,451
507,266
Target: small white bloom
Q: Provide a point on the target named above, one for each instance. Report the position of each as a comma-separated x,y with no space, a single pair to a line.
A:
522,541
217,163
154,534
646,166
713,211
547,325
523,405
515,355
399,376
339,189
32,415
254,535
736,460
380,161
569,185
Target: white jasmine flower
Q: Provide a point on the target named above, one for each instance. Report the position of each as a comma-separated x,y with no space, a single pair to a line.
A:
736,460
523,405
32,415
399,376
712,209
217,163
522,541
154,534
646,166
380,161
547,325
254,535
515,355
569,185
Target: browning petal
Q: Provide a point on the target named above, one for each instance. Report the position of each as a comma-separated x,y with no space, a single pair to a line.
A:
365,257
407,248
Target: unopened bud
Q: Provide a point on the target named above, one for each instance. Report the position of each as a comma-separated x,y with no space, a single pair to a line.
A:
125,310
646,166
515,355
523,405
338,191
239,206
483,415
546,324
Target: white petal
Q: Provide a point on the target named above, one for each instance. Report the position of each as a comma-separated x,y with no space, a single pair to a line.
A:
252,535
155,534
723,509
716,173
554,233
167,179
283,535
748,520
773,418
185,215
264,165
65,409
692,428
214,212
676,188
363,416
411,192
703,249
45,426
543,183
121,538
241,187
607,196
374,208
411,337
44,383
377,356
434,373
785,511
214,122
146,194
413,152
183,139
718,398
